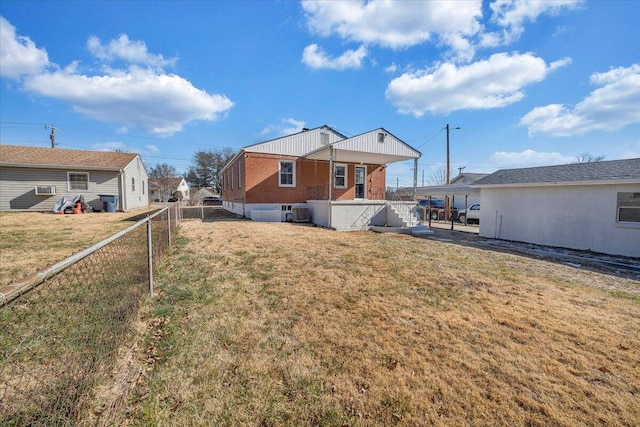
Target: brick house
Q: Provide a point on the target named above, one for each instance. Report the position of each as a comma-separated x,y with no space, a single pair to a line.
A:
340,181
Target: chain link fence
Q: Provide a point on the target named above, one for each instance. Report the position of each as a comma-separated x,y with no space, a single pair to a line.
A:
61,329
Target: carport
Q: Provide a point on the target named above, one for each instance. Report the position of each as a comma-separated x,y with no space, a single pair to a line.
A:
449,193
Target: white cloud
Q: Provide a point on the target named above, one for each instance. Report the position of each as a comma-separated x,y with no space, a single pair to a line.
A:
153,149
286,127
113,146
315,57
18,54
157,103
613,105
512,15
527,158
391,69
132,52
492,83
392,24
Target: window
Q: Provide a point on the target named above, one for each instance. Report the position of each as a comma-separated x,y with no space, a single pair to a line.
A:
78,181
287,173
133,184
628,208
231,179
239,175
340,176
142,187
285,208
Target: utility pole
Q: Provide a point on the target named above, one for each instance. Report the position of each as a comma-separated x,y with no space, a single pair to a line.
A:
52,136
448,181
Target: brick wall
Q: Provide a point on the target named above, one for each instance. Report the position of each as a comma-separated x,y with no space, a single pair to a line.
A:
261,179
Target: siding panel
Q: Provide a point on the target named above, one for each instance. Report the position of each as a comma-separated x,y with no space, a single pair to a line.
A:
17,188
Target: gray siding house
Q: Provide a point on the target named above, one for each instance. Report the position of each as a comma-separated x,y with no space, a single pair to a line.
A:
35,178
587,206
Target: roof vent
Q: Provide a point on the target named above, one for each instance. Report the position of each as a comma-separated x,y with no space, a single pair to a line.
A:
305,129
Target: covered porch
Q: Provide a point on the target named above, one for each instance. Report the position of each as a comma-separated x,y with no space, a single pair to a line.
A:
370,206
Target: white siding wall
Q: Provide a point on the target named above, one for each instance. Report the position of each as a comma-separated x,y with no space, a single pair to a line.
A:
576,217
135,199
17,188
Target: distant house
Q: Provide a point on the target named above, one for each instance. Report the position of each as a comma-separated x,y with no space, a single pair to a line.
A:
197,194
340,181
588,206
163,189
459,192
35,178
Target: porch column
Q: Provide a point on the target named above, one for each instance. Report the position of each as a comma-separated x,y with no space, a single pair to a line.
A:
415,178
331,154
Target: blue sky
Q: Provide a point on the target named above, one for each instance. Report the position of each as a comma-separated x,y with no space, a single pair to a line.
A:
528,83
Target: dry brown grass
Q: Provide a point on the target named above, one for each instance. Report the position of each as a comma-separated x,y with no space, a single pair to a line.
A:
31,241
274,324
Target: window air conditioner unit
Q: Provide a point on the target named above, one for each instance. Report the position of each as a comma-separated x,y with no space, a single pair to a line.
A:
300,214
46,190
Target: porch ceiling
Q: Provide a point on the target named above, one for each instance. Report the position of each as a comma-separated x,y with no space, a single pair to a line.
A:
348,156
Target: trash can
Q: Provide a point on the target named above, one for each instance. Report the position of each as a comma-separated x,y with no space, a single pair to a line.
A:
109,202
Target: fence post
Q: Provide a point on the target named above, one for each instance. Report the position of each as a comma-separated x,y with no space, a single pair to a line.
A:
169,226
150,255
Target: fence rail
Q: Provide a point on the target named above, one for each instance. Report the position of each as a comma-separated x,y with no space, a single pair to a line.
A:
61,329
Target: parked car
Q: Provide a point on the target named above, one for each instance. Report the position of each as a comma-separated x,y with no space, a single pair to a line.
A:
211,201
438,208
470,215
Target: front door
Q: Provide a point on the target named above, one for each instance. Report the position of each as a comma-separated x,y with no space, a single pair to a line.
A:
360,182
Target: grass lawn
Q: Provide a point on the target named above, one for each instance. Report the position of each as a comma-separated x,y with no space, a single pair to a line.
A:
280,325
31,241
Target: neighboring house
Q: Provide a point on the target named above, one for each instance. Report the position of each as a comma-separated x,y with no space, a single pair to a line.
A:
339,180
163,189
35,178
588,206
198,194
460,194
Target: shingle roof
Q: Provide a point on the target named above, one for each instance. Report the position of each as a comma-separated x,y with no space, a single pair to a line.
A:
613,170
14,155
170,182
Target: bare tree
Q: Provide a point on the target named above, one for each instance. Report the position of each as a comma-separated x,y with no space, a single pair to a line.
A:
588,158
438,177
207,165
163,174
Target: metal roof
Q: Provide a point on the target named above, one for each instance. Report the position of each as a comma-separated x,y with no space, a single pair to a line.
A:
375,147
605,172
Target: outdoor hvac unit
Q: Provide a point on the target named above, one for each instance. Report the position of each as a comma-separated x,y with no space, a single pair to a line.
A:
46,190
300,214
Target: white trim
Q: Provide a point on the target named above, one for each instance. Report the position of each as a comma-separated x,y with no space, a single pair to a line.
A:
280,162
77,173
346,175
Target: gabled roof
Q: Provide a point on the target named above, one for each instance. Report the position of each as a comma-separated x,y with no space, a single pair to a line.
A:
606,172
297,144
171,182
468,178
62,158
378,146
